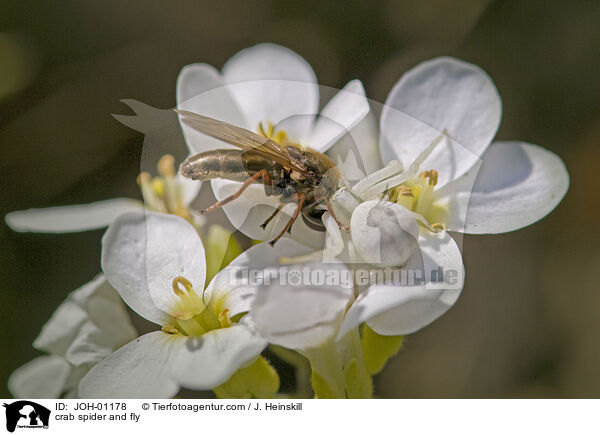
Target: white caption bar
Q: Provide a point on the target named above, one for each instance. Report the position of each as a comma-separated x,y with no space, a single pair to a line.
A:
287,416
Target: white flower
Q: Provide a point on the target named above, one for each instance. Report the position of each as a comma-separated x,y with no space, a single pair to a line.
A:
474,188
271,86
319,315
298,313
157,264
168,193
88,326
392,300
439,120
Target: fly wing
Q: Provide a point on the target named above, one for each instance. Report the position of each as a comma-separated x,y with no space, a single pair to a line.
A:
241,138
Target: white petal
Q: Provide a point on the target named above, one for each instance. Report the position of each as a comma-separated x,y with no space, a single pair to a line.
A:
105,309
334,242
205,362
299,311
357,153
404,307
83,294
297,128
344,111
58,332
189,188
517,185
88,325
172,248
271,84
93,344
71,218
44,377
72,384
89,346
201,89
442,93
136,371
253,207
384,234
234,283
195,79
141,255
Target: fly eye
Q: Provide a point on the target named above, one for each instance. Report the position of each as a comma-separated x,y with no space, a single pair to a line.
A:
312,219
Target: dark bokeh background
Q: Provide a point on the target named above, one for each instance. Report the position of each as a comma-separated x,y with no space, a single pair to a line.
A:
527,322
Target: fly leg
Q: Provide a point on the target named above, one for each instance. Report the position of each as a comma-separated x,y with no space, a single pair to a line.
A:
332,214
270,218
260,174
301,198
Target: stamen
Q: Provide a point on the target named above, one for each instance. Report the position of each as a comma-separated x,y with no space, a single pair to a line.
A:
143,178
151,198
281,137
439,226
158,186
180,280
432,175
271,130
405,191
166,166
170,329
189,304
261,130
224,319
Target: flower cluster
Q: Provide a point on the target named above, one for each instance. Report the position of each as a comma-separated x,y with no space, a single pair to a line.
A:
387,263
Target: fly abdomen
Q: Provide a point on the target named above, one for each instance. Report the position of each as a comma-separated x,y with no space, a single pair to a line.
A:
226,164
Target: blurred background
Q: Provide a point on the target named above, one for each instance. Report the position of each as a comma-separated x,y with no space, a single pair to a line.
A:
527,323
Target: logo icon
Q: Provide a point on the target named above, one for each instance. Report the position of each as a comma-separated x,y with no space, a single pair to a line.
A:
26,414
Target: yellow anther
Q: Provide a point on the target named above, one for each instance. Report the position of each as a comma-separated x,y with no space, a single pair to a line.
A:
418,195
432,175
439,226
404,190
270,130
224,319
166,166
170,329
143,178
181,281
158,186
281,137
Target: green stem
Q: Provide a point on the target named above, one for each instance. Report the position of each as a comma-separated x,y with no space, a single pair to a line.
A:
339,369
327,372
358,381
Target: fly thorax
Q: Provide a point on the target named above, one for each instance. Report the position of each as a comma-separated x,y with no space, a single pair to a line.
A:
192,315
